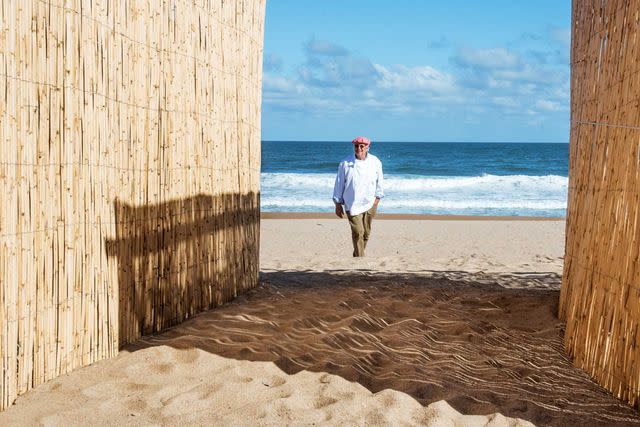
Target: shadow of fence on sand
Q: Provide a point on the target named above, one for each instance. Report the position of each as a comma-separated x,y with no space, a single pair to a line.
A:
181,257
483,342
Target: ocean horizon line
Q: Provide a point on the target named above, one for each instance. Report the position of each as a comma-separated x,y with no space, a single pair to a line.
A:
420,142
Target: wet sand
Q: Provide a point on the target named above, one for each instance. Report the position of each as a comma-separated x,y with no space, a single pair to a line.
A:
443,323
408,217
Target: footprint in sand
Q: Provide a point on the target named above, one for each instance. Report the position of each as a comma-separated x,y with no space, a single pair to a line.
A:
375,418
136,404
325,379
324,401
275,381
136,386
162,368
187,355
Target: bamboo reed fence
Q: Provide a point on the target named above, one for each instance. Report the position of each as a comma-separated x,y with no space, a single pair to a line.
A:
129,173
600,294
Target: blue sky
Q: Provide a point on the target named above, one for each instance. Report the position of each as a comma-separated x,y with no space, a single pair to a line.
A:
417,70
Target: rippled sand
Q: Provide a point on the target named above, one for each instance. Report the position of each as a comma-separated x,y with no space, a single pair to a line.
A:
429,329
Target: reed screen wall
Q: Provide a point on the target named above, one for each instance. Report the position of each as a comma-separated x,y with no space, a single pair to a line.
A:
600,295
129,172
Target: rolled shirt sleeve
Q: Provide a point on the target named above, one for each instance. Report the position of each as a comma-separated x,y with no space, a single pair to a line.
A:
338,187
379,182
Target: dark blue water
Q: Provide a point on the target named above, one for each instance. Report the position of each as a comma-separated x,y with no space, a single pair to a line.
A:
440,178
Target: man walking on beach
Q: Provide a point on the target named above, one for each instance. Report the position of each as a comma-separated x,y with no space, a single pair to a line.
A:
359,188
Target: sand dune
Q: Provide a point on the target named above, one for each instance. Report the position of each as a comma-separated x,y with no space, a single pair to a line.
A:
406,336
166,386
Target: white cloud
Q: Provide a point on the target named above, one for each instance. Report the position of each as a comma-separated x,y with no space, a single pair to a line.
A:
496,58
272,62
423,78
482,83
281,84
329,65
505,101
321,47
563,35
529,74
546,105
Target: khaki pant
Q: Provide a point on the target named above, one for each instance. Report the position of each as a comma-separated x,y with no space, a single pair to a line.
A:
360,230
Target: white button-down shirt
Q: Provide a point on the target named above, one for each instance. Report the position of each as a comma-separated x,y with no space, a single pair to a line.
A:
358,183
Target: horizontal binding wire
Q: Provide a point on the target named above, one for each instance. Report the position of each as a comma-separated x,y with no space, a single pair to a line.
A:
142,170
208,12
112,29
203,288
62,224
614,190
130,104
608,276
606,125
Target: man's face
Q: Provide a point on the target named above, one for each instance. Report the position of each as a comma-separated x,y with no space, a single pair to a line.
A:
361,151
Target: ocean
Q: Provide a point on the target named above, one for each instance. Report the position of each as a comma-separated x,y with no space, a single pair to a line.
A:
515,179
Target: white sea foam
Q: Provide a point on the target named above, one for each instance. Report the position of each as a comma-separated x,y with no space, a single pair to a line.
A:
485,194
426,203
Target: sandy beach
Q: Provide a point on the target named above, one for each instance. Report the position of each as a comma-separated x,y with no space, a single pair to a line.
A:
446,321
414,243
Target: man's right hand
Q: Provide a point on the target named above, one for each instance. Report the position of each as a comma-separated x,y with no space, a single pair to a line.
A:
339,211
